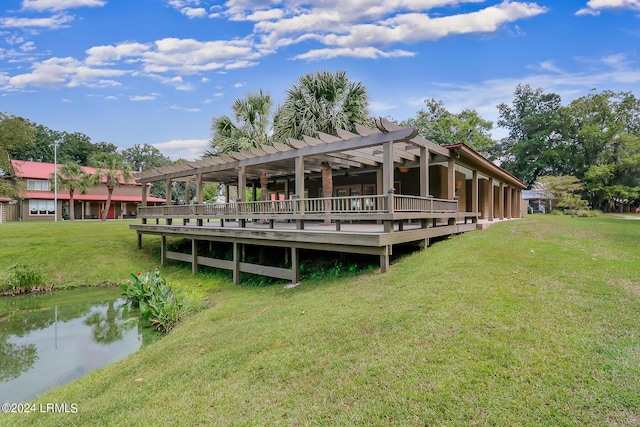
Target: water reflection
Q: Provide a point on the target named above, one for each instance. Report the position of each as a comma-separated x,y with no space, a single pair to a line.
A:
49,340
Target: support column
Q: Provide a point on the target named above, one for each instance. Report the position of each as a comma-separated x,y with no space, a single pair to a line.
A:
519,201
200,196
299,185
242,183
187,192
168,202
424,172
387,167
451,179
491,199
501,201
474,195
508,202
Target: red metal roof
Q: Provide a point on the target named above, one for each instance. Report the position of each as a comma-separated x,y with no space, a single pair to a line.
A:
39,170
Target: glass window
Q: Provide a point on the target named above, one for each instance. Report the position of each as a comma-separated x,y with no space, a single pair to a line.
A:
41,207
38,185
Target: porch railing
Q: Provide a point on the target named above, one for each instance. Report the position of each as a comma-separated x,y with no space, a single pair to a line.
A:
343,206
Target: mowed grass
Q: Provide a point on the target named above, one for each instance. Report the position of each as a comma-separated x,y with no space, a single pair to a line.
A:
530,322
88,253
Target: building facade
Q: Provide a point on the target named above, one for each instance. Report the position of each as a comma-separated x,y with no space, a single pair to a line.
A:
37,201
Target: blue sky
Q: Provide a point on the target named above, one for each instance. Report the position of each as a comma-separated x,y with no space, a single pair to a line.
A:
156,71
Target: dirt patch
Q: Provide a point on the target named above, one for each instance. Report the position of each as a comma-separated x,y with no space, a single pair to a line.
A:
633,287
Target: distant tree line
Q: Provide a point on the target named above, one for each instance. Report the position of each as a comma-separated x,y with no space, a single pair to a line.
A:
21,139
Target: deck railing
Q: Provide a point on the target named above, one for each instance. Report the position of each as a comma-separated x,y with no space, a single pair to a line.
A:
355,205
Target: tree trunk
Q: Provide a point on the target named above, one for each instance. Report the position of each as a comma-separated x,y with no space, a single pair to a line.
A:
72,214
108,205
327,189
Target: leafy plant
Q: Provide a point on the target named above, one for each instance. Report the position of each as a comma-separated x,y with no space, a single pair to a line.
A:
156,299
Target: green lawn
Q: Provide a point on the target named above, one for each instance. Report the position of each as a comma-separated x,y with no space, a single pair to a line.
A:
530,322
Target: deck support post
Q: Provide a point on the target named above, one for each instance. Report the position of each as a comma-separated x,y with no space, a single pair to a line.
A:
139,240
236,263
384,260
163,251
295,265
194,256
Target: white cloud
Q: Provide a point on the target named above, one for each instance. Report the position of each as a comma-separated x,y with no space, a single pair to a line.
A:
52,22
189,149
358,52
28,47
138,98
595,6
41,5
189,56
546,66
365,29
194,12
68,72
100,55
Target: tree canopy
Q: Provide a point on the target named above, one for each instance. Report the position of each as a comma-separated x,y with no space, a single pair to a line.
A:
443,127
595,138
322,102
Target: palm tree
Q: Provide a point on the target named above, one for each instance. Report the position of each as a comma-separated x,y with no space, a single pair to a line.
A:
322,102
251,129
73,177
112,172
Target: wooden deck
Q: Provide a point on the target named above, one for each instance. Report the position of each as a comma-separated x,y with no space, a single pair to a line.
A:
369,225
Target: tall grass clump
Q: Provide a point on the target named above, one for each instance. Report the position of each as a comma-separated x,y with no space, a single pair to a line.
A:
22,279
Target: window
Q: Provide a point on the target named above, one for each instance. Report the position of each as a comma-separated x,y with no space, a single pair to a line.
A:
38,185
41,207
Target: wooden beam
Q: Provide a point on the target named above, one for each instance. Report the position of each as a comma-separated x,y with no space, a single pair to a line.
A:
275,155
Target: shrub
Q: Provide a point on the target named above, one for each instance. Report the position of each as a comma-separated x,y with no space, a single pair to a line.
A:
589,213
156,299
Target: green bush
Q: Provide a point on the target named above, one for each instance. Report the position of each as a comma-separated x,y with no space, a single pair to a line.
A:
156,299
589,213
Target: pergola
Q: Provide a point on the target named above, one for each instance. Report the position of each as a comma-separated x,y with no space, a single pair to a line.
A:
382,153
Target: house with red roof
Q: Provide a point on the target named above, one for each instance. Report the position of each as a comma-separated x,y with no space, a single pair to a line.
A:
37,197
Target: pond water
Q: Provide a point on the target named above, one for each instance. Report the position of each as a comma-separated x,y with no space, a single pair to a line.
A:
52,339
